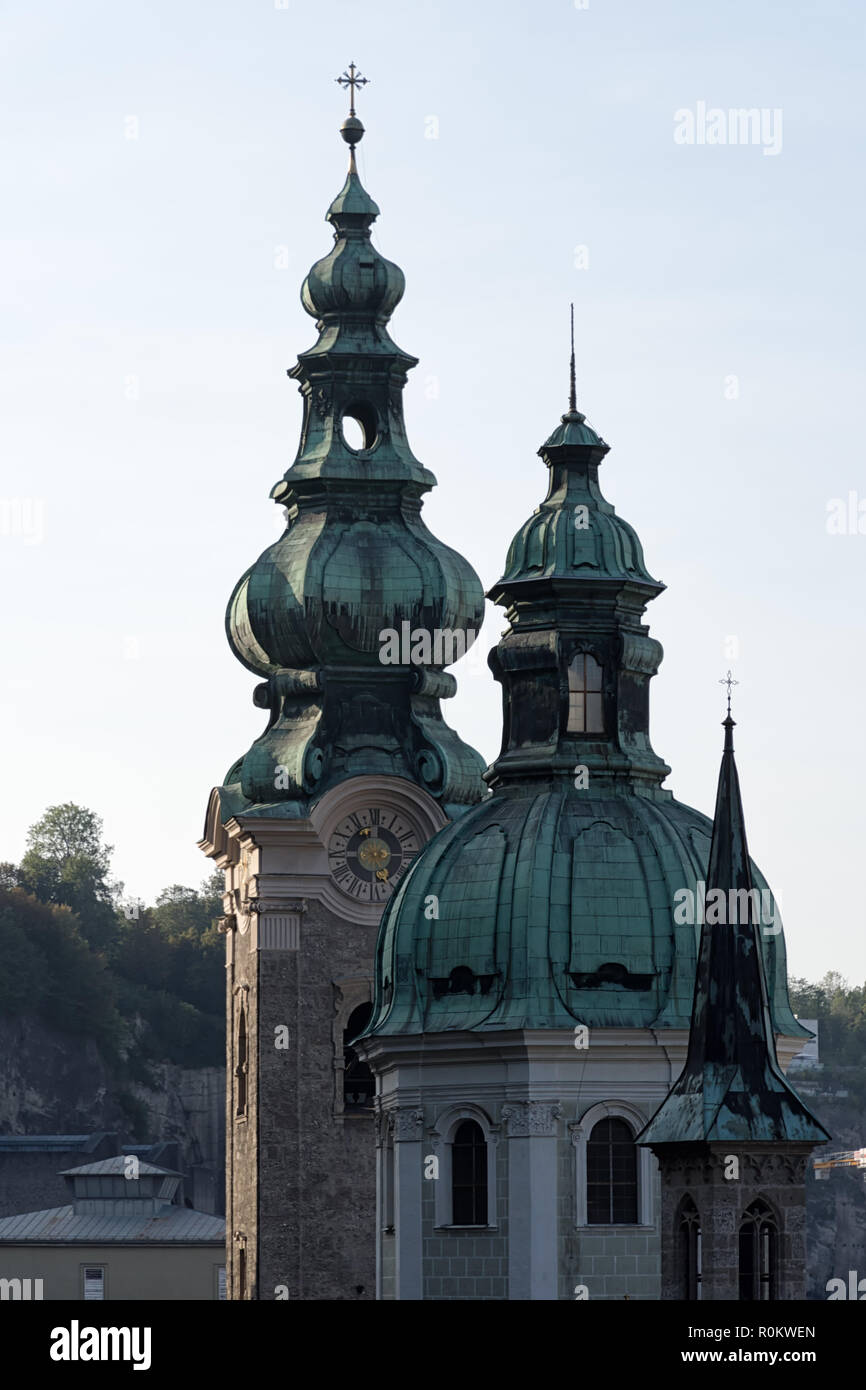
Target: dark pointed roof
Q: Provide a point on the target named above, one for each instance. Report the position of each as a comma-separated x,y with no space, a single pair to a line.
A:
732,1087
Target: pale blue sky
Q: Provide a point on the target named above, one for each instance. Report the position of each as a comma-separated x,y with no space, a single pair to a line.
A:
151,265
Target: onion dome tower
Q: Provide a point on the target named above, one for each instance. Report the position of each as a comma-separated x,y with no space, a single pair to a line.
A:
356,562
350,620
733,1137
534,964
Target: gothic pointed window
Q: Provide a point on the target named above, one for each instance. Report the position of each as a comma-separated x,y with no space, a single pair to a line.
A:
758,1247
358,1083
689,1250
585,712
611,1175
241,1065
469,1175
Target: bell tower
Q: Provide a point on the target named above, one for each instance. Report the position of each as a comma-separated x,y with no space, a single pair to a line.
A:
349,621
732,1138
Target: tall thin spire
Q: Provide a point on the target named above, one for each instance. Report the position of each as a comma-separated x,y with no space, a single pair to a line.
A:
572,392
731,1087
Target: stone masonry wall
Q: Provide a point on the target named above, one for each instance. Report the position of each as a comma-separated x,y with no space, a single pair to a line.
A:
610,1262
304,1179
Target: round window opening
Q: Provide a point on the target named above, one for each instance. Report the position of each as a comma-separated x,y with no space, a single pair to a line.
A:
359,425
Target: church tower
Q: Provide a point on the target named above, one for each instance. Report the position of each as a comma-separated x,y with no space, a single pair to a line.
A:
534,980
349,621
733,1138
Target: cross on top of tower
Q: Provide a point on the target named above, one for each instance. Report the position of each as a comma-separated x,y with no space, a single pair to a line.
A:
729,681
352,78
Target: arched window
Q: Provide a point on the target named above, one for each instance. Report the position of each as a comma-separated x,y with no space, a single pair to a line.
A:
611,1175
358,1083
758,1241
241,1064
689,1250
469,1175
585,712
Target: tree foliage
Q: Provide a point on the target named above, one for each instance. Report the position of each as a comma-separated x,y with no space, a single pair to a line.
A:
147,984
51,970
841,1013
67,862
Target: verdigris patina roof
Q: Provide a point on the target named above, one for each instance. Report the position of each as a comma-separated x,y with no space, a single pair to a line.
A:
575,530
555,906
732,1087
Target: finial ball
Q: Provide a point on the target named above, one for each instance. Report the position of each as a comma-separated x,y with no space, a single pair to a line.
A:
351,130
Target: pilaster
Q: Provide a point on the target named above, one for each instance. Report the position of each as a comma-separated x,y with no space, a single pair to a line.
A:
532,1128
408,1177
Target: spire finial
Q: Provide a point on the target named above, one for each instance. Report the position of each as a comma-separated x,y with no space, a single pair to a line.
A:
729,681
352,78
352,129
572,390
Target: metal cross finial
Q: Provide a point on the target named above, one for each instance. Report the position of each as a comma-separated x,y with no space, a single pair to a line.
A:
572,391
729,682
352,78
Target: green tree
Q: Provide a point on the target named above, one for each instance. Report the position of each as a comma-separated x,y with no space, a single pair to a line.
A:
67,862
148,987
841,1013
66,833
49,969
170,965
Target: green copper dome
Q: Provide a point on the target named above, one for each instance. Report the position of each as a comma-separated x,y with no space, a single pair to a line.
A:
553,901
555,906
354,276
338,578
575,531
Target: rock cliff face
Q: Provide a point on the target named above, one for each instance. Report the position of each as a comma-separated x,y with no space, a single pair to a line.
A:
836,1233
189,1106
54,1083
836,1206
57,1083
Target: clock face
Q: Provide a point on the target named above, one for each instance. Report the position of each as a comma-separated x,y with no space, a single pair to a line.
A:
369,852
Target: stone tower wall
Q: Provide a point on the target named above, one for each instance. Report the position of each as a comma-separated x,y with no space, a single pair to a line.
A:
302,1177
774,1173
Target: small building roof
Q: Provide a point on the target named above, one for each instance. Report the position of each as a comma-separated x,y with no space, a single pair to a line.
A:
117,1166
65,1226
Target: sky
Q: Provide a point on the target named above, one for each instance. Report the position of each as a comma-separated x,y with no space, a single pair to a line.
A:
166,170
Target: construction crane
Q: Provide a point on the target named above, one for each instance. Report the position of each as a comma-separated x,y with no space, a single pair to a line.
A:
845,1158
